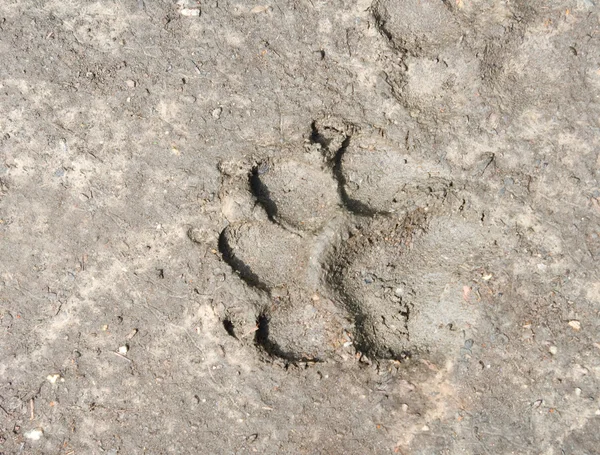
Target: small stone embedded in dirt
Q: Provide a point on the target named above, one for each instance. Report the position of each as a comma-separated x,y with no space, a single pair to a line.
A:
123,349
53,378
364,359
189,8
198,235
260,9
190,12
34,435
575,325
553,350
216,113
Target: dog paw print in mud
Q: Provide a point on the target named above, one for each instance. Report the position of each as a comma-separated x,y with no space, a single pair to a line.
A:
450,60
355,246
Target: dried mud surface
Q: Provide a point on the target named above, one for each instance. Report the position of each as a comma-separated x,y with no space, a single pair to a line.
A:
299,227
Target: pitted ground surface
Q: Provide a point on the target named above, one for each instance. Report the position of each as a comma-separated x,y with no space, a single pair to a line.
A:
130,137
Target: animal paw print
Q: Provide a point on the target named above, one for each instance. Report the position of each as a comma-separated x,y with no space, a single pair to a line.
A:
356,245
448,56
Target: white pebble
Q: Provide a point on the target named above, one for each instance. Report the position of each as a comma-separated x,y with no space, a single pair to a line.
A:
52,378
123,350
575,325
34,435
553,350
190,12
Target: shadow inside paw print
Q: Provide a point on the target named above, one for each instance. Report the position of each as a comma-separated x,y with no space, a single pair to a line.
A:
362,248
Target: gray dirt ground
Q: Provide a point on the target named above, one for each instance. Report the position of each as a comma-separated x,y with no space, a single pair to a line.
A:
300,227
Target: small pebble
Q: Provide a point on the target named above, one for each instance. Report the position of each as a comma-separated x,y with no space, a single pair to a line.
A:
575,325
364,359
190,12
35,434
553,350
260,9
52,378
123,350
198,235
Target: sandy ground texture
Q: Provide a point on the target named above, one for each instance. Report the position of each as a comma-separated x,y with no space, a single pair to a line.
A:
299,227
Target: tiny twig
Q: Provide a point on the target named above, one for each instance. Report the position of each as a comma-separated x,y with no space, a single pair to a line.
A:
122,356
250,332
490,161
